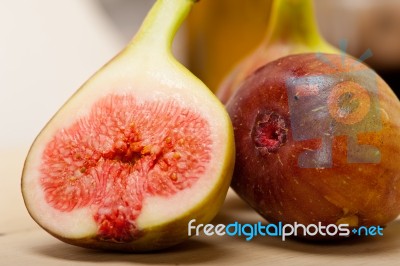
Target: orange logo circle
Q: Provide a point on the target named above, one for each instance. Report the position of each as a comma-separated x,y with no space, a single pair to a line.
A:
349,102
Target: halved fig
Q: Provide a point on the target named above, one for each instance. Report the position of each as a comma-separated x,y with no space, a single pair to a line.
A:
141,149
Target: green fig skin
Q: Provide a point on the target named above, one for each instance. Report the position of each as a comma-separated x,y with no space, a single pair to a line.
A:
292,29
268,173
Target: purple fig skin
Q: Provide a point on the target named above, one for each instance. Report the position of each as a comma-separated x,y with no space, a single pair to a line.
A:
269,174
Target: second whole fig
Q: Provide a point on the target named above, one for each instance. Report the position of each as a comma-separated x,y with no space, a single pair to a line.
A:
317,142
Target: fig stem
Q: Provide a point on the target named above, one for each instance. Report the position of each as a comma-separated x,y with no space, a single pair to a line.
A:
293,21
161,24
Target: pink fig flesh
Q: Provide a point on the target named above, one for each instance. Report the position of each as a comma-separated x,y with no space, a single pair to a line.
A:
96,160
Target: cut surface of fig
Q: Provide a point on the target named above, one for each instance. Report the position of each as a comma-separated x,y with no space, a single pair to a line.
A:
97,161
142,148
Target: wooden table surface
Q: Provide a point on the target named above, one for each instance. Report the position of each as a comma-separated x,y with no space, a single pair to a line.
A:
22,242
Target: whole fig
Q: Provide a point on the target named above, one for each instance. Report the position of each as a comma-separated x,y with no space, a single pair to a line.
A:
317,141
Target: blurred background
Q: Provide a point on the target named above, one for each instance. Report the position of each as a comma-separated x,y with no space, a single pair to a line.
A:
49,48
